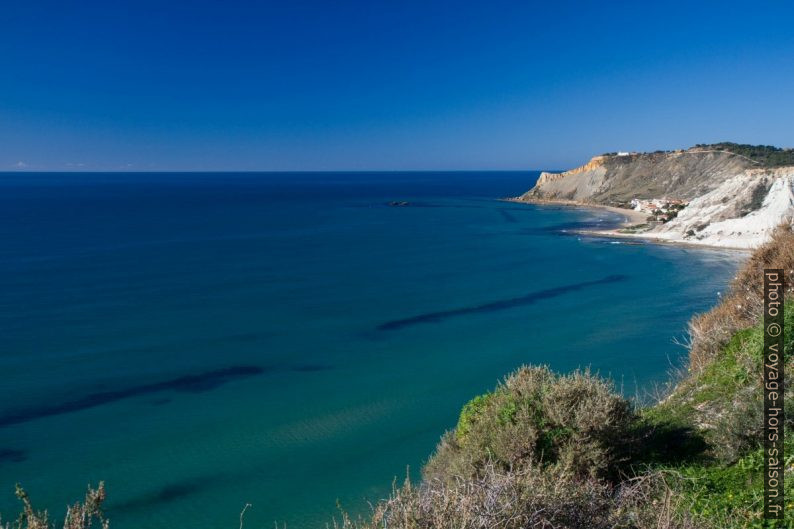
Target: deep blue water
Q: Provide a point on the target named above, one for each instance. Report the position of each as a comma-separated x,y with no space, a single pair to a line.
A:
200,341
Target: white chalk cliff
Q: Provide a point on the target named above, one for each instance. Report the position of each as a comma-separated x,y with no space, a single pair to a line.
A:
721,217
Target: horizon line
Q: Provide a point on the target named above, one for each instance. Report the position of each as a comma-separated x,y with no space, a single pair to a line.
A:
270,171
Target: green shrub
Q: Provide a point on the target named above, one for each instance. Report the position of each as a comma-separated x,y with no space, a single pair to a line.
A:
470,414
576,422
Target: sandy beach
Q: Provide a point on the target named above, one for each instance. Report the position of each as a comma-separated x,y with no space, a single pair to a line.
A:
630,216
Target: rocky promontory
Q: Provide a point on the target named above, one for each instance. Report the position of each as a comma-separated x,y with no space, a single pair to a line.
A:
725,194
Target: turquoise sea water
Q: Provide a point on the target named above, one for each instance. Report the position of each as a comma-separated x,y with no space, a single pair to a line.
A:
200,341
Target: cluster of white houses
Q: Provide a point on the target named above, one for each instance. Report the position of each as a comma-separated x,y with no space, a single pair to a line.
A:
659,209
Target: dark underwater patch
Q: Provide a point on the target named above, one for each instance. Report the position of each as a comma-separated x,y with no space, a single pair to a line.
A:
198,383
165,494
504,304
12,455
507,215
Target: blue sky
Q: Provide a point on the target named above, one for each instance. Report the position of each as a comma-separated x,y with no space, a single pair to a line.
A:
349,85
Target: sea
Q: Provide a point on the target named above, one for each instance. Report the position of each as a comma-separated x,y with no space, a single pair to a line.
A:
298,341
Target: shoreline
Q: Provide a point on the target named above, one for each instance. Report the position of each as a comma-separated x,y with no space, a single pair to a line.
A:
615,234
630,218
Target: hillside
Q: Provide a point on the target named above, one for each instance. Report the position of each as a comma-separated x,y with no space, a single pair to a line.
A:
615,180
722,197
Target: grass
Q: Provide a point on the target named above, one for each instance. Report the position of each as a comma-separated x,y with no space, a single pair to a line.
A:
729,495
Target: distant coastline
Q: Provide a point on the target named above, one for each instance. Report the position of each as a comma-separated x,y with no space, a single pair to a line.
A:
725,195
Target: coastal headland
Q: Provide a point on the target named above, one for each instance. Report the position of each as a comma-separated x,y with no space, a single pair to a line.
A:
724,195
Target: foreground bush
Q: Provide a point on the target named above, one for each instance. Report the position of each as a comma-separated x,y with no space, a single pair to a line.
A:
78,516
526,499
576,423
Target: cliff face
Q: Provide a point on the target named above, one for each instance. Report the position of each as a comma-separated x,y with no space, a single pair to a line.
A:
616,180
741,213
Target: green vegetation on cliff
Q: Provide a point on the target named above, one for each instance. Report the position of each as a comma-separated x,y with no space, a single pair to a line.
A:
763,155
